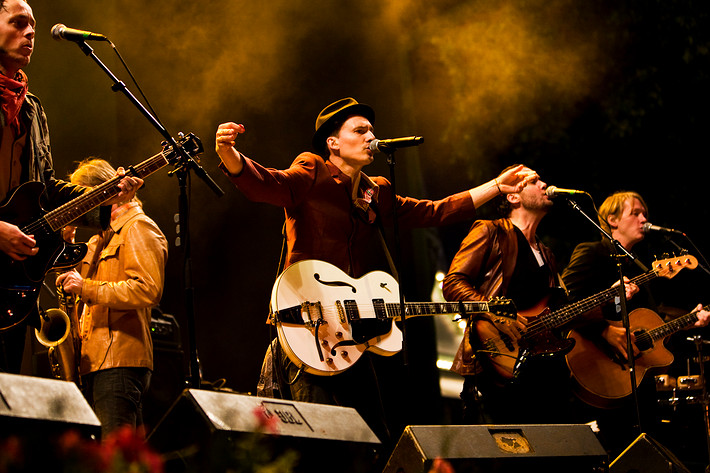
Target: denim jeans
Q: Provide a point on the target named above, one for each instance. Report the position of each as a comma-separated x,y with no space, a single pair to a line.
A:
116,395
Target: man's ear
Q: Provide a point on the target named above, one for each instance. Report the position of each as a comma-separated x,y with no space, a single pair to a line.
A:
332,142
513,198
613,221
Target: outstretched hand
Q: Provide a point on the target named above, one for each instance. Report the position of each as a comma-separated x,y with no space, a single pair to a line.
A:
515,179
225,140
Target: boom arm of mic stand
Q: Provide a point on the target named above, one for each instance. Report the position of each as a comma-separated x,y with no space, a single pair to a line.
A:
181,171
120,86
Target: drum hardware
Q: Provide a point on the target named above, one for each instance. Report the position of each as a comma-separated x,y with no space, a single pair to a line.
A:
689,382
699,342
665,382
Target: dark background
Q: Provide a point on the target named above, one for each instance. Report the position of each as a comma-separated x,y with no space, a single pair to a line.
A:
600,96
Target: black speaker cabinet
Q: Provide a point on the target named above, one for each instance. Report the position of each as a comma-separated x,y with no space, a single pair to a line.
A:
499,448
645,455
220,431
41,406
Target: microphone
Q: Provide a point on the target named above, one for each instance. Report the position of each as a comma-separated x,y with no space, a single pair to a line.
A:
59,32
554,191
648,227
394,143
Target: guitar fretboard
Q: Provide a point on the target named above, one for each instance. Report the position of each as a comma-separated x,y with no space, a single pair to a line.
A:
63,215
413,309
567,313
659,333
67,213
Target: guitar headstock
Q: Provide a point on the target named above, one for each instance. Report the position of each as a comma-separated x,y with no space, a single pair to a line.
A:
669,267
501,307
190,143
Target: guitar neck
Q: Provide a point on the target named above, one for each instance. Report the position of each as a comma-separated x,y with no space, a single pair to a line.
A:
561,316
67,213
674,325
414,309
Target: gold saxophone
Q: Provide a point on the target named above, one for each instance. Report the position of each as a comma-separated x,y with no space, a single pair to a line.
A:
59,331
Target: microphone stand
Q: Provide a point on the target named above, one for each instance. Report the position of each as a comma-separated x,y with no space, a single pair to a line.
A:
182,169
698,340
397,251
621,253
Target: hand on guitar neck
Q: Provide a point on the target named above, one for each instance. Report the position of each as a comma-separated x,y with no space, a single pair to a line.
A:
615,336
18,245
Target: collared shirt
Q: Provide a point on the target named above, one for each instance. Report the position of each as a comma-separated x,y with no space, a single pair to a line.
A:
127,283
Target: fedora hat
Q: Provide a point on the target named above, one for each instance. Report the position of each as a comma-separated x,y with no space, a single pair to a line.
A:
339,110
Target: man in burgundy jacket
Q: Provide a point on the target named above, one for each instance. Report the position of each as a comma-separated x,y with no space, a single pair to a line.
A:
331,208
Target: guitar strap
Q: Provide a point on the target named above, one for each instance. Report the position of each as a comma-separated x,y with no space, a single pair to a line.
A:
274,358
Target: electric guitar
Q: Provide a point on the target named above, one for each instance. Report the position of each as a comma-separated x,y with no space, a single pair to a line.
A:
508,356
20,281
326,320
602,374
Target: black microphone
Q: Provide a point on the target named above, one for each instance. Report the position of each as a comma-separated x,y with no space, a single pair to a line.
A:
648,227
394,143
59,32
554,191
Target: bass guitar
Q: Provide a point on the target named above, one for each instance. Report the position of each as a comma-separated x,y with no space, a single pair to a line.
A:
508,356
602,375
20,281
326,320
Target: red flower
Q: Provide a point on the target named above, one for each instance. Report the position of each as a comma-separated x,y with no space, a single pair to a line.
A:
441,466
266,421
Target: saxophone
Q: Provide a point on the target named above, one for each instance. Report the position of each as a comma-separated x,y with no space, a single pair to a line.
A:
59,332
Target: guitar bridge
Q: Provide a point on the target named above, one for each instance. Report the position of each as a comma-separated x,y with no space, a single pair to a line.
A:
312,313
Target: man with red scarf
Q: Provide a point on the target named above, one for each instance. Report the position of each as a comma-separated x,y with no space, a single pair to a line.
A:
25,152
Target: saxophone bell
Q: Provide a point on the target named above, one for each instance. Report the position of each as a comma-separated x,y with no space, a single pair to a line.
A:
54,328
59,332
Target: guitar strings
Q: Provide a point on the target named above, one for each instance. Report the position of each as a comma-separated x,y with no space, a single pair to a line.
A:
569,312
89,200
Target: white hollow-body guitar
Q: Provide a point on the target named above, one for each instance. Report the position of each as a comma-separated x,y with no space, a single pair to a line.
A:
326,320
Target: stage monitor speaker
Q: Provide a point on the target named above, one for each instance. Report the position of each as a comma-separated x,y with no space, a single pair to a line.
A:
499,448
42,406
206,430
645,455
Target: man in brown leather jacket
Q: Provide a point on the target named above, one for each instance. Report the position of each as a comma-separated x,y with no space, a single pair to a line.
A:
505,258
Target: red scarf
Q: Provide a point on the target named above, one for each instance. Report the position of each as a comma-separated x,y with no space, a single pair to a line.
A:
12,95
